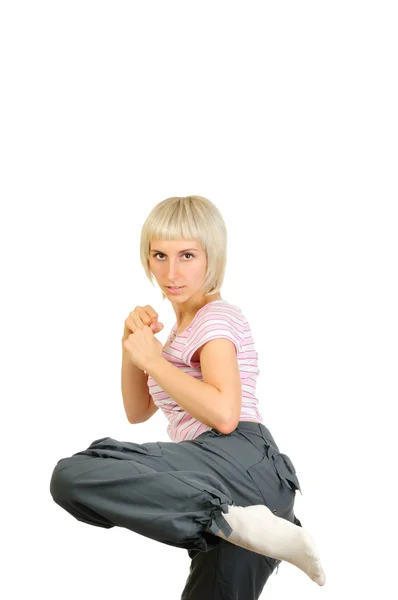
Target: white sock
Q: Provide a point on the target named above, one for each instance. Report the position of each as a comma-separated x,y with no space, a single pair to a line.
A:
257,529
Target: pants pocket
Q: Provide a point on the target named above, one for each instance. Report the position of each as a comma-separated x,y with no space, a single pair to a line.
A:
286,471
276,480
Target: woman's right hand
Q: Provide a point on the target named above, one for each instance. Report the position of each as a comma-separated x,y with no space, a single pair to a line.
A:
138,318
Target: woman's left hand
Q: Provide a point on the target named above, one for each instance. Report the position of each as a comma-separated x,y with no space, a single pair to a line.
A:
143,347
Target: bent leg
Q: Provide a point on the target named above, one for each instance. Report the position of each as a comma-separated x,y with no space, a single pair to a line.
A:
178,494
114,483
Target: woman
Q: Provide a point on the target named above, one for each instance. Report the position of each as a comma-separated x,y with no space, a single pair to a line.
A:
220,488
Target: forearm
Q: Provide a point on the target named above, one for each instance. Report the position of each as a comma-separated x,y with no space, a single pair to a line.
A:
135,390
201,400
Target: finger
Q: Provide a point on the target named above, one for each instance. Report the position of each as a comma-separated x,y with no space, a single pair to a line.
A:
129,324
137,320
145,317
153,315
138,315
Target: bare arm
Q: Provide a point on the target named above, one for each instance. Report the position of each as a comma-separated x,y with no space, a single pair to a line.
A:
137,401
215,401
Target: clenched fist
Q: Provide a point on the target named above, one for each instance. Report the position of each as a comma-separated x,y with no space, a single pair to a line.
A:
143,348
138,337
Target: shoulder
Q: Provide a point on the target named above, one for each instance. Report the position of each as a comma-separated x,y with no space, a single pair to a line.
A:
221,307
221,312
217,319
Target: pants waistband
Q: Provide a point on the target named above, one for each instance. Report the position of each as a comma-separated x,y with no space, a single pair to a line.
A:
258,428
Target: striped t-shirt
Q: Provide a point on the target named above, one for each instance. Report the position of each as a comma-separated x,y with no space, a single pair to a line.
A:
216,319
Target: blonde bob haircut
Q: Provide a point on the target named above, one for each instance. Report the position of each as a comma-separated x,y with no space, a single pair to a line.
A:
189,218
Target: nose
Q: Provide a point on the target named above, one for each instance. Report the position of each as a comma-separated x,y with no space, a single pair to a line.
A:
172,271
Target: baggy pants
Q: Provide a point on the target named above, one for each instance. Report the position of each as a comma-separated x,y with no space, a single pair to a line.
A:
177,493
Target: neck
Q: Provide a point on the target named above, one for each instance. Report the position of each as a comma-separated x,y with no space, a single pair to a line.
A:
186,311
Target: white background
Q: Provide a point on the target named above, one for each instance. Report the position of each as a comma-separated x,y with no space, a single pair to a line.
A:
285,116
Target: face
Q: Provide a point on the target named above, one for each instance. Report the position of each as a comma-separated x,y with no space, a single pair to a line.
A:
178,263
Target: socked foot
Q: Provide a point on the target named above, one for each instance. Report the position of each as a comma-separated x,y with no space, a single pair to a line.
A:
256,528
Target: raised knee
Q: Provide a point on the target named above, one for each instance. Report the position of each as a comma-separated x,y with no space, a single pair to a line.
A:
62,483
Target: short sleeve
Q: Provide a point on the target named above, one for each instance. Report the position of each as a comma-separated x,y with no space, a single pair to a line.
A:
216,322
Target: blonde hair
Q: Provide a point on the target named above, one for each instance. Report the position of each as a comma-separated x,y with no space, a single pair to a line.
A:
189,218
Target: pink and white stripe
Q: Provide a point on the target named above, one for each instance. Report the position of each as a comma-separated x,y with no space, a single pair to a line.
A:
217,319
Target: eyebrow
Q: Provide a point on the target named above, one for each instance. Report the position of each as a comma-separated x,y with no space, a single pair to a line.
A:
181,251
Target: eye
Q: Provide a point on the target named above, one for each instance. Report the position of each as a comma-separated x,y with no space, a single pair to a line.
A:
161,254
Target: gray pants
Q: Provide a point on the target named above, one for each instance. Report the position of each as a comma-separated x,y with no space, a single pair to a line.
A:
177,493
